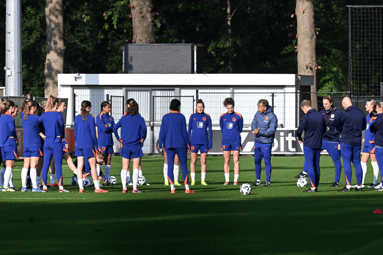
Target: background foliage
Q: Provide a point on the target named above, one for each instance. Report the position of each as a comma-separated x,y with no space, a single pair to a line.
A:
262,39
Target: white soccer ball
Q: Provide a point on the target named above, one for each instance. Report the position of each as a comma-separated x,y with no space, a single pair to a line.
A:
245,189
302,182
112,180
87,182
141,180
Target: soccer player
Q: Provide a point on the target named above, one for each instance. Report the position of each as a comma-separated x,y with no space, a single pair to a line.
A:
264,125
133,135
351,123
369,145
174,138
86,145
61,108
33,149
201,139
377,129
330,140
8,142
231,124
314,126
53,124
105,124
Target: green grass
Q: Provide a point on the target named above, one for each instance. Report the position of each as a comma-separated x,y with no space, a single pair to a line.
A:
216,219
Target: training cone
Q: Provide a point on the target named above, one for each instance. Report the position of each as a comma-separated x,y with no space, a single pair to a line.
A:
378,211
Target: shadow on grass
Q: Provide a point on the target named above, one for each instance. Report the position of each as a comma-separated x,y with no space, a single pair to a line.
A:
324,224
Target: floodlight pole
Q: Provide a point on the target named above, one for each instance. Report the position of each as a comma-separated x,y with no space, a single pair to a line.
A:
13,71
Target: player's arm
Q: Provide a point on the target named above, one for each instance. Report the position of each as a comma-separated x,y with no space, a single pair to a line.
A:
254,123
93,131
240,121
12,129
339,122
162,135
116,127
221,123
273,123
184,132
301,128
102,125
190,128
143,131
364,124
210,126
375,126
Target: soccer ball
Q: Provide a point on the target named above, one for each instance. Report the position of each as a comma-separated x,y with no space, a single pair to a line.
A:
87,182
141,180
112,180
245,189
302,182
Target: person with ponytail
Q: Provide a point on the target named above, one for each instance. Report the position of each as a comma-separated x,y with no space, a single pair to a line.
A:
200,134
61,108
105,124
86,145
3,168
53,124
368,151
231,124
33,149
8,142
133,135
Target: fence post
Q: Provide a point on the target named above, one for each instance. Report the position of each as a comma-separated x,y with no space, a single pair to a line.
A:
272,99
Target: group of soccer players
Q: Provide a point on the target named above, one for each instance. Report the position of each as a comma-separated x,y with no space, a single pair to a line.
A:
45,145
340,133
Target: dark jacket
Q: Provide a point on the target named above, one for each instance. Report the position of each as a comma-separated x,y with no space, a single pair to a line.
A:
352,122
314,126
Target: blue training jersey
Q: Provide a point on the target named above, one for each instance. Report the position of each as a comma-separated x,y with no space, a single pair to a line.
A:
173,133
200,129
332,134
231,127
85,132
7,130
53,125
133,129
105,124
368,136
31,130
351,122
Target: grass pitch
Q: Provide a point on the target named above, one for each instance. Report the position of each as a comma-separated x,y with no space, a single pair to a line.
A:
216,219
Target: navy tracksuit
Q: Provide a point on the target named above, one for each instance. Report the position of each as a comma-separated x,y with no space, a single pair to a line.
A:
352,122
314,126
267,123
54,131
331,139
377,129
174,138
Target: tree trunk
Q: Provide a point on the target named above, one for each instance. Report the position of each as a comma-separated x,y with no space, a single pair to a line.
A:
229,16
54,63
143,26
306,43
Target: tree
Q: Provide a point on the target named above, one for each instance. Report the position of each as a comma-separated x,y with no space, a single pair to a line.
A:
54,63
142,17
306,37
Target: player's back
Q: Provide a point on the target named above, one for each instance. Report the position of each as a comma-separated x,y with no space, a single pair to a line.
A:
173,130
315,129
53,125
30,130
84,131
352,122
133,129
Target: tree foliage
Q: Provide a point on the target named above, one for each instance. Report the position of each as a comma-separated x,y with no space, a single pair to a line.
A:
262,39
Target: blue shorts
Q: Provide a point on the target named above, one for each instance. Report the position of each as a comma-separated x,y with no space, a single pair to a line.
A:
9,152
369,149
203,148
108,149
231,147
33,152
89,153
129,152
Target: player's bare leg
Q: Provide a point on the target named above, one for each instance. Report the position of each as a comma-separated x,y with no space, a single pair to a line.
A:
203,168
193,161
226,167
236,166
136,164
124,174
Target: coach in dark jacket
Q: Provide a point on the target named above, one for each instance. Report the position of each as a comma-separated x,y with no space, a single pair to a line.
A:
264,126
377,129
352,122
314,126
